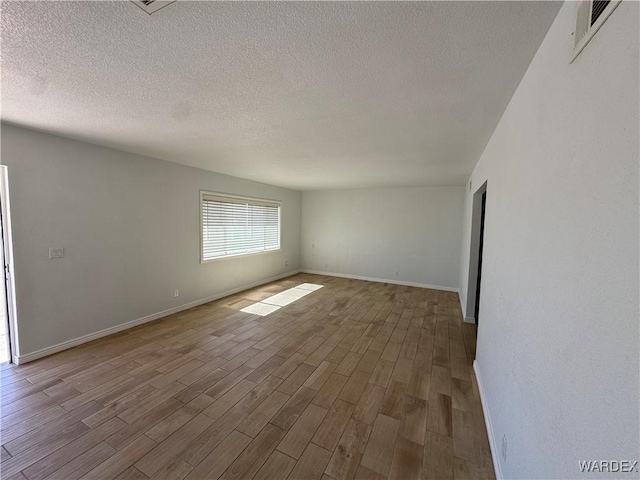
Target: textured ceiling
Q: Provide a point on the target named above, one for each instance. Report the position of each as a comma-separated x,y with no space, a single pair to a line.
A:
303,95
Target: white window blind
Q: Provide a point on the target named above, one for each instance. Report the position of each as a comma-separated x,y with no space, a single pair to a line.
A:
238,226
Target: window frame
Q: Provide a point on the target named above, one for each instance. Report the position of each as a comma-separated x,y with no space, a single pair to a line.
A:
256,201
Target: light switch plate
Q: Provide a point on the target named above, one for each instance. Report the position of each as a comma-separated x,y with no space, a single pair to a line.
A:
56,252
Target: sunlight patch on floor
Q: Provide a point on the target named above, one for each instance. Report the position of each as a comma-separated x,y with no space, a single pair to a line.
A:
260,308
310,286
282,299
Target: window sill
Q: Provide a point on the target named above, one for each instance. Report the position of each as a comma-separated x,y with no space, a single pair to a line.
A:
238,256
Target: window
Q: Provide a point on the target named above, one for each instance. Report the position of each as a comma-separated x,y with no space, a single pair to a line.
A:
233,226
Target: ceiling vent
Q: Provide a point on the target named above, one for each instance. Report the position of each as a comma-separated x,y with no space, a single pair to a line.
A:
591,14
152,6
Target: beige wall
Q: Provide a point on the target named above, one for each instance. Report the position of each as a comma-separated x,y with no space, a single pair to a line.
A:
558,332
130,229
409,235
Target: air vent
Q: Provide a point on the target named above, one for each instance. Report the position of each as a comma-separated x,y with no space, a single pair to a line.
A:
597,7
152,6
591,14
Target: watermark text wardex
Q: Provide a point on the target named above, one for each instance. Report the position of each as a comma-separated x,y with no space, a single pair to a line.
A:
612,466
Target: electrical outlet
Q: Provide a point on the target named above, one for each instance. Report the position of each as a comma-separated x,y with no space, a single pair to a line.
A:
397,273
56,252
176,293
504,448
286,263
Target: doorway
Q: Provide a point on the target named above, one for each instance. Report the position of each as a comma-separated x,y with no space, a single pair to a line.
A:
479,274
475,255
7,335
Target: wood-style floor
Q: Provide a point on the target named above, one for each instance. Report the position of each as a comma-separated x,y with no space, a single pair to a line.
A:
356,380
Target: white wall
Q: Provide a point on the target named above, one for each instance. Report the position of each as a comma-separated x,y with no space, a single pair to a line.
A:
130,229
559,316
375,233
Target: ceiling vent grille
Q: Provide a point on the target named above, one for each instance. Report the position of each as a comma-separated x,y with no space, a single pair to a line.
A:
152,6
591,14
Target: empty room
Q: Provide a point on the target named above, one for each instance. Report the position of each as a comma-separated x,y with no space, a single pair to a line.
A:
319,240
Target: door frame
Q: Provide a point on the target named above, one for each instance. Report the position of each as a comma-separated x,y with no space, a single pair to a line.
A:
8,267
476,221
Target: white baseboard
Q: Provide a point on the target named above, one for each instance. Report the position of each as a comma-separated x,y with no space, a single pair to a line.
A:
488,425
380,280
462,309
469,319
29,357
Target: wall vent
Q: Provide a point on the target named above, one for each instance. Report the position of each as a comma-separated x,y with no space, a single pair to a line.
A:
152,6
590,16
